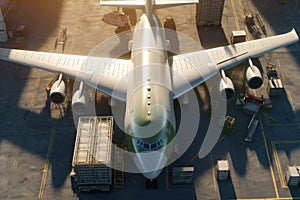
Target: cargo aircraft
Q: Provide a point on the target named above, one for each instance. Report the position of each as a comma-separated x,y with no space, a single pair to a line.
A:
149,82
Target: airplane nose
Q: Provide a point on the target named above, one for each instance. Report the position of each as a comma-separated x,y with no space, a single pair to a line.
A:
150,163
152,175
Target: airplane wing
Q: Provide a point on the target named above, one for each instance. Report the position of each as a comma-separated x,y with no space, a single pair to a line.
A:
105,74
191,69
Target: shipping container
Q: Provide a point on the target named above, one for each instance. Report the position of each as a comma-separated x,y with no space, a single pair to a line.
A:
91,165
182,175
209,12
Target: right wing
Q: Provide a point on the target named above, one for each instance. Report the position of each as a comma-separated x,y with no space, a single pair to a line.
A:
232,55
191,69
105,74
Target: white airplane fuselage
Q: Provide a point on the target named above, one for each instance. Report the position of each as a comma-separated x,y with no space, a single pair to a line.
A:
150,118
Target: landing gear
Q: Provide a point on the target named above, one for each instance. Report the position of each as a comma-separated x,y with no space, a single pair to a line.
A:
151,183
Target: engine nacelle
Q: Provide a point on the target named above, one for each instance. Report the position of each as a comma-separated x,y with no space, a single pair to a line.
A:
112,101
226,87
80,100
253,76
58,91
184,99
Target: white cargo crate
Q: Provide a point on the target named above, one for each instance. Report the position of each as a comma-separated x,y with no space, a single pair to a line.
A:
222,170
238,36
292,176
92,153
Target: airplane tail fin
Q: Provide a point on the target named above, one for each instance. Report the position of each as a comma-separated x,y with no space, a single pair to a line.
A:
140,4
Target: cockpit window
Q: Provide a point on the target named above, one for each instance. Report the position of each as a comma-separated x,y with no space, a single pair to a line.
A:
153,146
139,142
161,141
148,146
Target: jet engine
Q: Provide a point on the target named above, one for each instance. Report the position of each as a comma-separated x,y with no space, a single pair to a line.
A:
80,100
253,76
58,91
226,87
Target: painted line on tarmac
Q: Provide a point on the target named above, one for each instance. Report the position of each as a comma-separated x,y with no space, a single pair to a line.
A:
277,162
290,100
277,159
242,8
46,166
192,159
283,183
268,123
167,178
269,158
34,93
278,63
244,16
213,172
237,25
281,198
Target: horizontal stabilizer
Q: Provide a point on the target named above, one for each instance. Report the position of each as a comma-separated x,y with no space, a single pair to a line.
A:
141,3
124,3
174,2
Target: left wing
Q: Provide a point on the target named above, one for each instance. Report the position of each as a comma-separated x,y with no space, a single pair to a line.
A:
191,69
105,74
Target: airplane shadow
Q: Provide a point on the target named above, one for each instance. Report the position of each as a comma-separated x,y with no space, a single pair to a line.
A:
41,19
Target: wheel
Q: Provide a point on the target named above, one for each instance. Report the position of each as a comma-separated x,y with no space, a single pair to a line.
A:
147,184
154,183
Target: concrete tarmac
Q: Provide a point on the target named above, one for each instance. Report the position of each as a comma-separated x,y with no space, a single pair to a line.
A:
37,138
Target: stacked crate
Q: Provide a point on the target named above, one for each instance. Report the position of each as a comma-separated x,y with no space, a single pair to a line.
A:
92,153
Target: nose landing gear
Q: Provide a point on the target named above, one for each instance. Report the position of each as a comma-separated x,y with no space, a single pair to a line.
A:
151,183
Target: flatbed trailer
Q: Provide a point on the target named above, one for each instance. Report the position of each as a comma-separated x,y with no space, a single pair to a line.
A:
91,165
